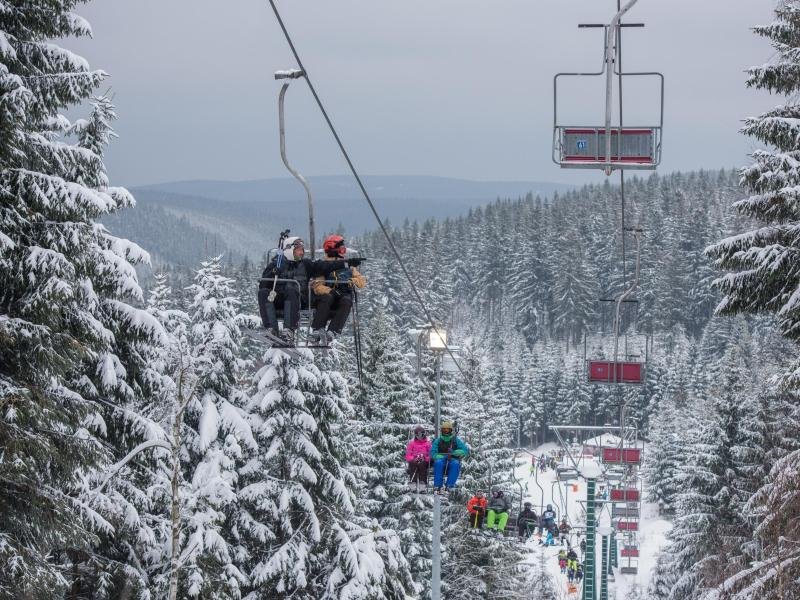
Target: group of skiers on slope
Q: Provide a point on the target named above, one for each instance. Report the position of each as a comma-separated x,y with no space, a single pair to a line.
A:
546,461
285,281
445,453
569,565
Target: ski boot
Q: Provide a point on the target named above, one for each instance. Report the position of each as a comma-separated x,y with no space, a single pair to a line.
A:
319,337
288,336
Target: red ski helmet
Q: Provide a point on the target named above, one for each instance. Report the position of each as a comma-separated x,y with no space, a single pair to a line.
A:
334,245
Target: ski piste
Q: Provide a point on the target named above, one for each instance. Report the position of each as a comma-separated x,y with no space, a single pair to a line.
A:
544,488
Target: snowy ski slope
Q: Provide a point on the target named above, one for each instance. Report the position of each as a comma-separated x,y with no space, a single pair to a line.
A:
544,489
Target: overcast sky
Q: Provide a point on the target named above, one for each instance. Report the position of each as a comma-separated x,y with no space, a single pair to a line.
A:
459,88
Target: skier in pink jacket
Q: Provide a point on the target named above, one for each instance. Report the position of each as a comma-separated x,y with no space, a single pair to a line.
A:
418,456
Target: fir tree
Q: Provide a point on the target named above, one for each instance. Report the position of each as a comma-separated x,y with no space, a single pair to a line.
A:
69,366
302,535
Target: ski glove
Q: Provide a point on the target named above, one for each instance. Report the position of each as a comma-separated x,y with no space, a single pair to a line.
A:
458,453
438,456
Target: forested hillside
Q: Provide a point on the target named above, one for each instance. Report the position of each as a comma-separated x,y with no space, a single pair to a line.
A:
182,222
153,445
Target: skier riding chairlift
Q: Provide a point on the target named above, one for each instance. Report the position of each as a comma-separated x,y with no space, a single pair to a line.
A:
333,295
447,452
418,458
282,283
476,509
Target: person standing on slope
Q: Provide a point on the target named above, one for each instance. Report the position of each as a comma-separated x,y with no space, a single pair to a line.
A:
418,457
447,452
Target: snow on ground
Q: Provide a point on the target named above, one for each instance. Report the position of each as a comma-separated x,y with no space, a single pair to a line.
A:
543,488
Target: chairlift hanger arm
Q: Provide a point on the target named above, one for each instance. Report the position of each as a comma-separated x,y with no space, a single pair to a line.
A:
294,74
611,57
289,74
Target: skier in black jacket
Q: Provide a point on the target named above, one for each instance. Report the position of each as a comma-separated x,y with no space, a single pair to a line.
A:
274,294
527,521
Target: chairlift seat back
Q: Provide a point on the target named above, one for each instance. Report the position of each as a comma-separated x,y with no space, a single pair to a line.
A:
608,371
625,512
585,147
630,456
625,495
630,552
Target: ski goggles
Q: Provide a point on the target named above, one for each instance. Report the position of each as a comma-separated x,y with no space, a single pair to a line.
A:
419,434
298,244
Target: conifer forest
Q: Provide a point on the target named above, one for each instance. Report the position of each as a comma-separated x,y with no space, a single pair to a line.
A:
168,432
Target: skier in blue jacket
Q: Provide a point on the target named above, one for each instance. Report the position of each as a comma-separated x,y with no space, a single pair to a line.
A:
447,451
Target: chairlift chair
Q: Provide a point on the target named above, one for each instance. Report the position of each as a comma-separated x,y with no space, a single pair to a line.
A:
566,473
626,525
625,495
628,456
625,511
604,146
630,552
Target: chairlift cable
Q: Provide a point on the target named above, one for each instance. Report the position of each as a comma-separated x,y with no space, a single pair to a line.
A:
357,177
359,358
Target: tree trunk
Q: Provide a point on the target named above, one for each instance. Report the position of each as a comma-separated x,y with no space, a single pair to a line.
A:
176,509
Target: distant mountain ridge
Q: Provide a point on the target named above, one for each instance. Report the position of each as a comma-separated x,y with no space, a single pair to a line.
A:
342,187
180,222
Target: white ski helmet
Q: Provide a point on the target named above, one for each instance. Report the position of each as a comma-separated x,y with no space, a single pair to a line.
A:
289,245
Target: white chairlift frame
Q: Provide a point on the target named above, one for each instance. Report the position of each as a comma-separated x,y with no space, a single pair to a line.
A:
593,145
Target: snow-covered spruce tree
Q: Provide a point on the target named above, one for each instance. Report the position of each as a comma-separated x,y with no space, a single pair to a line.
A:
576,293
217,435
301,535
665,456
387,417
710,530
68,366
474,567
764,277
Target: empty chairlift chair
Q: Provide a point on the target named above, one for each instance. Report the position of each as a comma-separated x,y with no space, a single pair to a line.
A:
628,363
604,146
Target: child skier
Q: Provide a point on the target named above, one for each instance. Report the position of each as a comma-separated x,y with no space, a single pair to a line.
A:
447,451
579,573
476,507
548,517
549,540
562,560
418,457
